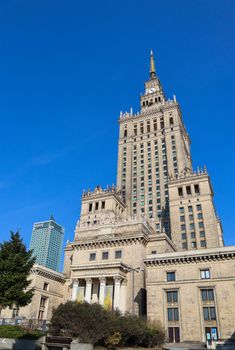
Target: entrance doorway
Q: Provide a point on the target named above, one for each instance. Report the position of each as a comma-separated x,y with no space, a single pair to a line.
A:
174,334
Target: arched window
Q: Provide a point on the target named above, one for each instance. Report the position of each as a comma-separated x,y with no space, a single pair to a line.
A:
171,121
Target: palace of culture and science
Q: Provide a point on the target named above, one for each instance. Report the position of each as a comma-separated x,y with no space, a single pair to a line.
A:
152,245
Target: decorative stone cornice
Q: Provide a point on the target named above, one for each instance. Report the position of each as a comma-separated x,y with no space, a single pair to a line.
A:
102,270
188,175
207,255
110,241
146,112
48,273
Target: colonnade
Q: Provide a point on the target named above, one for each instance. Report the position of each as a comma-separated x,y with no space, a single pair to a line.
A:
99,284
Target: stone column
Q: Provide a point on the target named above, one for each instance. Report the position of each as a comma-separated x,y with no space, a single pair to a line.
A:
117,287
123,297
102,290
88,290
74,290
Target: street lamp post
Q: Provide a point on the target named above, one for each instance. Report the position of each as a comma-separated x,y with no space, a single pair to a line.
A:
133,270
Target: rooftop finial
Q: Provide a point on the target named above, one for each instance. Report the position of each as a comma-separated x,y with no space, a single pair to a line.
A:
52,218
152,66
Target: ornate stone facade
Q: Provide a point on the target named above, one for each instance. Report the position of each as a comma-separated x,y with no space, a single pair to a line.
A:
157,234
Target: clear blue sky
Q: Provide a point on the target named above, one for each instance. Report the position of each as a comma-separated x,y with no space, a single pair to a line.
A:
67,68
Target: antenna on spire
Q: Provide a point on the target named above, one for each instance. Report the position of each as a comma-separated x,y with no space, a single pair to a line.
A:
152,66
52,218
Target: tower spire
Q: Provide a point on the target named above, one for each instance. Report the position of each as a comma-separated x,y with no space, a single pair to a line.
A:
152,66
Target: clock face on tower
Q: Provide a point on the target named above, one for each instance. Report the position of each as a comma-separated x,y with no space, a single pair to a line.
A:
150,90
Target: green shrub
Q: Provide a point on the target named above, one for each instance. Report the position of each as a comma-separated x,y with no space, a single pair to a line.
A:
16,332
154,335
91,323
132,329
88,322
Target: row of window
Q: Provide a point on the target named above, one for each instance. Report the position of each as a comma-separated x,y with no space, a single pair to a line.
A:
96,206
190,208
147,127
105,255
204,274
188,190
207,295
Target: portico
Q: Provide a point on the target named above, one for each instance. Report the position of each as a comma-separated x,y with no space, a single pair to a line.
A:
105,290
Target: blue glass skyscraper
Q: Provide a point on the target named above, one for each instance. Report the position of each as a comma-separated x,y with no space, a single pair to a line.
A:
47,243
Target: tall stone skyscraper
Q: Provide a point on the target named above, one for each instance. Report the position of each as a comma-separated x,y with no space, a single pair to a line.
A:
154,245
47,243
155,173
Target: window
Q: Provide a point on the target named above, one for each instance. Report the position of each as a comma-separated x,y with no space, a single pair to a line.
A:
190,209
184,245
161,123
193,244
43,302
196,189
200,224
188,189
180,191
192,234
183,235
182,218
173,314
45,286
172,297
155,124
192,226
103,205
191,217
170,276
96,205
90,206
153,252
205,274
148,126
171,121
181,209
199,215
141,128
92,256
183,227
199,207
135,129
209,313
202,234
105,255
203,244
207,295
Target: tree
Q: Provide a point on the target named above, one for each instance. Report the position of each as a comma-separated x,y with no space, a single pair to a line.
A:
15,265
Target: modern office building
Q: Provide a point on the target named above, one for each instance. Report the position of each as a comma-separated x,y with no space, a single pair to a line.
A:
47,243
154,244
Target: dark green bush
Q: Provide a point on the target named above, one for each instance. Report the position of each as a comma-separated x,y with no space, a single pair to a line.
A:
91,323
16,332
88,322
